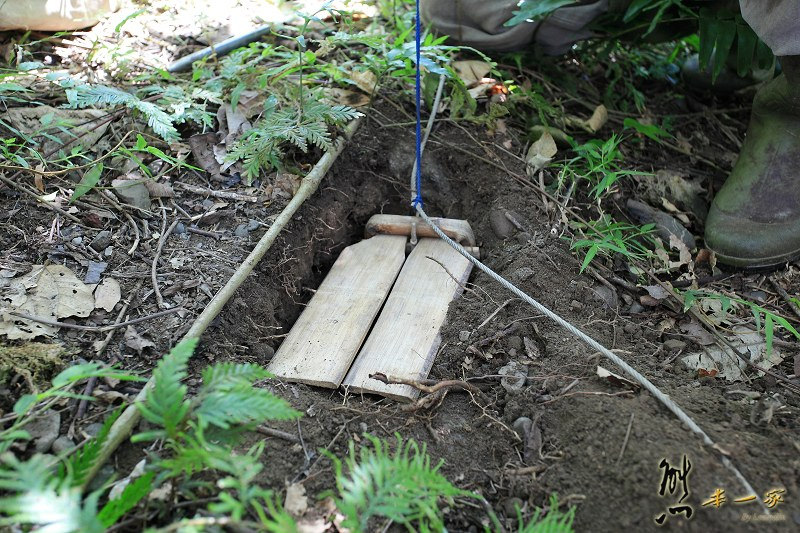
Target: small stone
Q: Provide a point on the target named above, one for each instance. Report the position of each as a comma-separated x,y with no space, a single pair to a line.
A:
109,251
263,352
631,329
44,430
463,335
575,305
665,225
253,225
501,226
524,237
94,269
241,231
77,241
512,506
522,426
179,229
207,204
93,429
132,192
674,345
515,342
521,274
514,377
101,241
605,295
635,308
363,427
62,444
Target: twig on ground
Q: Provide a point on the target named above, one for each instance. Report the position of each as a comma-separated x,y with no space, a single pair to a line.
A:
785,295
625,442
277,434
426,386
494,313
205,233
227,195
79,327
154,267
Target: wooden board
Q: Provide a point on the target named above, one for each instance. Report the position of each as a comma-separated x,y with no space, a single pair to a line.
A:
406,337
458,230
325,339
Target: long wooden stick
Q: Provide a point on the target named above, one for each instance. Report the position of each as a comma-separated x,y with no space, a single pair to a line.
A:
123,426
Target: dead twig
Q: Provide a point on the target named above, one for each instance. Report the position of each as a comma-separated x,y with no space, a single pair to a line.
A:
154,266
527,470
277,434
785,295
625,442
490,317
79,327
425,386
227,195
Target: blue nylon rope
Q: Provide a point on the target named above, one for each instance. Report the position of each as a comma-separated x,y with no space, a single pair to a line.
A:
417,202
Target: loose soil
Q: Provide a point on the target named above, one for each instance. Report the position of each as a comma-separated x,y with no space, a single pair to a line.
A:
596,446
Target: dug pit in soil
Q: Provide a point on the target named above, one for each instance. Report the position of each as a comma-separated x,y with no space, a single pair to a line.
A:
544,422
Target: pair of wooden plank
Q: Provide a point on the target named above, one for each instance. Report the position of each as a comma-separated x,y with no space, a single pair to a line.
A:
327,338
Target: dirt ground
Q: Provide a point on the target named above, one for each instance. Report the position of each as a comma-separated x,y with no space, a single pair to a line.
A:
579,447
595,443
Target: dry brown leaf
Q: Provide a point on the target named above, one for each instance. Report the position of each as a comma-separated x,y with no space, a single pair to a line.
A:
346,97
364,80
135,341
616,379
598,119
540,153
107,294
472,71
159,190
50,292
684,256
296,503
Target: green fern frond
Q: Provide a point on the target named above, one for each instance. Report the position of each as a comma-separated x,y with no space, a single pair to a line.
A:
316,133
91,95
159,121
34,496
239,404
260,147
99,95
165,403
222,374
19,476
400,485
78,465
131,495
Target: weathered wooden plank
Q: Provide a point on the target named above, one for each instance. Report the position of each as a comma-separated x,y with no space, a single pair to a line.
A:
406,337
458,230
325,339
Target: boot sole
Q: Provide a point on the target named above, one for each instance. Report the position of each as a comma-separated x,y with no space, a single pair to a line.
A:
763,263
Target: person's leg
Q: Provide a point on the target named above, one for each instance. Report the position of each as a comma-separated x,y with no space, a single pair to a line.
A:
480,24
754,220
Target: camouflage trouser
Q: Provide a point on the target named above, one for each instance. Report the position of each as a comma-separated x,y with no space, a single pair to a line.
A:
479,23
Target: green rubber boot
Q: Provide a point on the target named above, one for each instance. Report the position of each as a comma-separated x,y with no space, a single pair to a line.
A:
754,220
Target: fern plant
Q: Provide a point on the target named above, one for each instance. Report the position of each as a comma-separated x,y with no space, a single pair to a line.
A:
81,96
402,486
262,147
47,492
